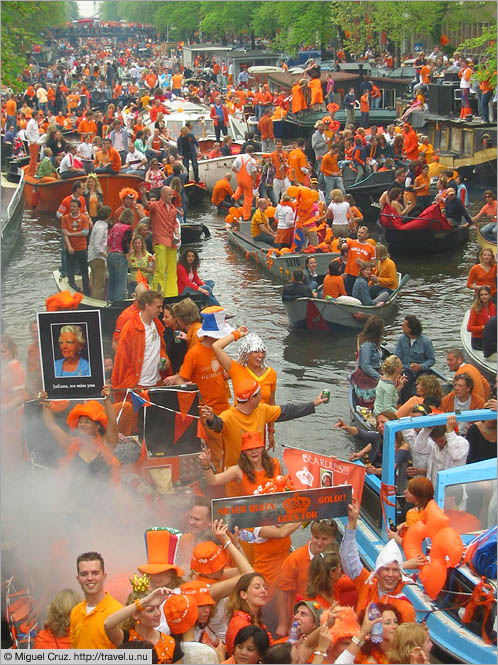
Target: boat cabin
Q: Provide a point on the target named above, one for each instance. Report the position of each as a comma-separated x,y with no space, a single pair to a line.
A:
190,52
239,57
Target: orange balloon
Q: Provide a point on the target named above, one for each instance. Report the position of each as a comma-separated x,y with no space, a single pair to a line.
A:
433,577
270,211
232,211
285,250
435,519
447,543
240,212
292,191
229,219
314,195
412,541
305,193
280,481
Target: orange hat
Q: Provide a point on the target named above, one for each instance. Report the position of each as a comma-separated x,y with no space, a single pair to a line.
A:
161,546
93,410
207,558
63,301
128,191
435,158
181,613
251,440
199,591
246,389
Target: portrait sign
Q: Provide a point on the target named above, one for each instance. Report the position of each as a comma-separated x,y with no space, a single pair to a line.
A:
282,507
71,354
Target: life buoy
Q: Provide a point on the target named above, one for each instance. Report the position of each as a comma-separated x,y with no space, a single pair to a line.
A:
446,547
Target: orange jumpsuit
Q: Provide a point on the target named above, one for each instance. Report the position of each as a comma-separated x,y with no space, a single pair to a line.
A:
244,187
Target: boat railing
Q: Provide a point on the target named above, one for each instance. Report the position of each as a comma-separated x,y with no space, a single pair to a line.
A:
17,196
385,486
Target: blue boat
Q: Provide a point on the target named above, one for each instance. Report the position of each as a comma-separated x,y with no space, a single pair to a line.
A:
462,642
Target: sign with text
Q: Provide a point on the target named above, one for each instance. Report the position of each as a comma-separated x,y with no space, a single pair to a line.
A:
309,470
71,354
282,507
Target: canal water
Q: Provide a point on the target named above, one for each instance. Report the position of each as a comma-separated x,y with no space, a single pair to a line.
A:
305,362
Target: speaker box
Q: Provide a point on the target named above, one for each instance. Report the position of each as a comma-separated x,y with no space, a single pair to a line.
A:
441,99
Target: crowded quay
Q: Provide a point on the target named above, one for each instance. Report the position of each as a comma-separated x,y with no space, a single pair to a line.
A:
249,332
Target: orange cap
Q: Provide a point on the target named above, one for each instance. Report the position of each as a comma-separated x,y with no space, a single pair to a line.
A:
252,440
181,613
199,591
246,390
93,410
207,558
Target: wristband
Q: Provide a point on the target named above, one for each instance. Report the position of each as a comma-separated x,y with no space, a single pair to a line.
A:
356,640
139,606
320,653
227,544
206,467
236,335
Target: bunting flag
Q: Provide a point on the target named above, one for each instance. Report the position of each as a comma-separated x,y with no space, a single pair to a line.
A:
298,238
138,402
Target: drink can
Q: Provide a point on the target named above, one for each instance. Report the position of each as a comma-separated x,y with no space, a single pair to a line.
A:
326,396
162,364
177,337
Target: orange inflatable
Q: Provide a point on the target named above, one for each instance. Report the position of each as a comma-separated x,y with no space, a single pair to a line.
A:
446,547
270,211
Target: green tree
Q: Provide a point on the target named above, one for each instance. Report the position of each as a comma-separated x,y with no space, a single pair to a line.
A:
486,68
23,24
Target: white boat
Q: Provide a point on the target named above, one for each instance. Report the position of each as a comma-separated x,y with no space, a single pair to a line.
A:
485,365
12,209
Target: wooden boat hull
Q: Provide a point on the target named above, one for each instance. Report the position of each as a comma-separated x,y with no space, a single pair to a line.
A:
13,201
368,191
192,232
318,314
425,241
484,243
50,194
195,192
280,267
109,311
486,366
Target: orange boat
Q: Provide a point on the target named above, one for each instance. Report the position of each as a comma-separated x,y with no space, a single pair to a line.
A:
47,195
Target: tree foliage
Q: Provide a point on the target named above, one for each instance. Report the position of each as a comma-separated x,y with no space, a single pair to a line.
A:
22,26
486,68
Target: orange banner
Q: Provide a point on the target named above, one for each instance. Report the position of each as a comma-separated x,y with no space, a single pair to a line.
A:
311,470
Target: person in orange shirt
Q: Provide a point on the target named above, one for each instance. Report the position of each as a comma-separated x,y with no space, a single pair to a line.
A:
280,160
241,95
51,98
222,193
59,119
87,126
333,284
410,142
176,84
360,250
265,126
364,108
55,632
293,577
199,367
298,103
73,99
421,189
112,159
298,165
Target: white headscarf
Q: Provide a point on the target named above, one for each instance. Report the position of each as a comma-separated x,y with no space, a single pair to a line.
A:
250,343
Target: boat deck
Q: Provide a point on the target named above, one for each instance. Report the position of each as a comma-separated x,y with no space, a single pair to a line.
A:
8,191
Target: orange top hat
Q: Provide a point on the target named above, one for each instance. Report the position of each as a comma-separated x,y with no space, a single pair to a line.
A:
345,625
93,410
207,558
199,591
181,613
62,301
252,440
246,389
160,547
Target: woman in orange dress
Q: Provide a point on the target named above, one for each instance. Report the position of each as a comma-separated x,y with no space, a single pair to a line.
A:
484,272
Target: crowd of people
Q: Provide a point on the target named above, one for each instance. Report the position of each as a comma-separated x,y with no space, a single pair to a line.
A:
239,596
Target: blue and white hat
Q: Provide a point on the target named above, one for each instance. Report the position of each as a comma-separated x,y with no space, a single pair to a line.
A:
213,323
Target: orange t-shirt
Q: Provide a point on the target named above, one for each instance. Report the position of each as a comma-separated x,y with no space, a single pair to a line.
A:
422,180
11,107
333,286
176,81
294,573
344,593
267,381
357,250
481,277
76,225
115,159
280,161
297,160
329,164
88,127
202,368
235,423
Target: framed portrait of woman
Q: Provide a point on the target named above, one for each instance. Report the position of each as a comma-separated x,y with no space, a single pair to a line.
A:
71,354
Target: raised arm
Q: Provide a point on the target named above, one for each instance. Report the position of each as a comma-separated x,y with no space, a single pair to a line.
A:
111,434
112,622
233,473
218,346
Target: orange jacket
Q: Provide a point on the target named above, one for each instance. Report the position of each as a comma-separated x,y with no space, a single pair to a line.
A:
410,145
130,352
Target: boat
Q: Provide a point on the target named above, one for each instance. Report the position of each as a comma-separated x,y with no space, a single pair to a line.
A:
48,195
280,267
109,311
319,314
358,418
292,126
425,241
212,170
368,191
13,201
485,365
195,191
461,642
484,242
192,232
